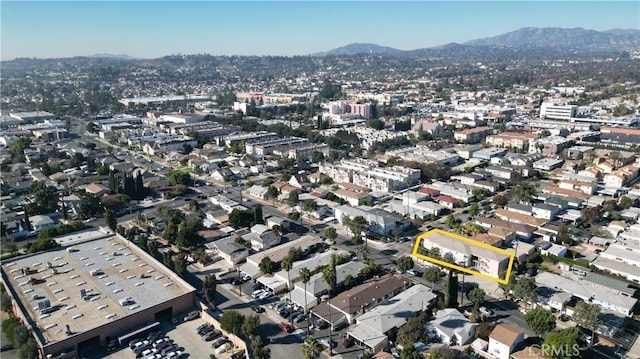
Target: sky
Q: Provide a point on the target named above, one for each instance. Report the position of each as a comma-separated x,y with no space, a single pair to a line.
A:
151,29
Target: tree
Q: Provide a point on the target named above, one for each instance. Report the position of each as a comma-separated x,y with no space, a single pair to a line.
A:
311,348
258,348
450,294
287,264
509,285
451,222
177,177
304,275
331,233
587,316
413,330
405,263
310,206
525,192
152,248
293,198
209,289
266,265
476,296
525,288
110,219
432,274
45,199
540,320
410,352
294,215
272,193
250,325
562,344
241,218
43,243
27,221
449,258
231,321
89,206
180,264
564,237
625,202
473,209
500,200
330,277
29,350
166,259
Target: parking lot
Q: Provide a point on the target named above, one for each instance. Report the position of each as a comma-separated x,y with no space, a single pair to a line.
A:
183,336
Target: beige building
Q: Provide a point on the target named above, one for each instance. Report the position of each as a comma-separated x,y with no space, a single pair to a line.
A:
74,297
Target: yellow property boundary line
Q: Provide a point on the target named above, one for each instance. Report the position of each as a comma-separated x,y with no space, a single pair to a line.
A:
499,280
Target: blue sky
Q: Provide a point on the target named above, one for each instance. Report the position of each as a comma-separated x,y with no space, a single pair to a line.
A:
150,29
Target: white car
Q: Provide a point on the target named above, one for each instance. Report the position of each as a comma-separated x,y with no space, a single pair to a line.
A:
174,355
223,348
265,295
257,293
486,311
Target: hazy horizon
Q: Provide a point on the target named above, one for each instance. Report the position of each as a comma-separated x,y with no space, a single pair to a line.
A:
155,29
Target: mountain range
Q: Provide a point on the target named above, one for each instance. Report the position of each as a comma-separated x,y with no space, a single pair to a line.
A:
550,38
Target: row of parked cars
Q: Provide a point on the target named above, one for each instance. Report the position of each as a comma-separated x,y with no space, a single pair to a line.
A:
156,346
220,343
289,310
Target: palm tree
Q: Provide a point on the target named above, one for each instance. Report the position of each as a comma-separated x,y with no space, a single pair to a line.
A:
305,275
287,264
311,348
329,276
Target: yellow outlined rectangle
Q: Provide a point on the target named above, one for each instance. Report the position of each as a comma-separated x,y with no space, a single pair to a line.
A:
499,280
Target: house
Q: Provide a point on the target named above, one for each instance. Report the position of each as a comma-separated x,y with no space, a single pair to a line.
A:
40,222
503,340
257,191
554,249
452,327
373,326
262,241
299,181
97,189
317,286
353,198
232,252
447,201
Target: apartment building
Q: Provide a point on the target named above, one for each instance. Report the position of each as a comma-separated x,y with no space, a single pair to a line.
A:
465,254
363,110
367,173
267,146
514,140
621,177
473,135
550,145
425,155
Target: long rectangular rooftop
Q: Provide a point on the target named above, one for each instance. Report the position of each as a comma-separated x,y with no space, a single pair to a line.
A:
118,279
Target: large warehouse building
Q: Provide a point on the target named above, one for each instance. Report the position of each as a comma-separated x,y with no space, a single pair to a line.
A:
85,292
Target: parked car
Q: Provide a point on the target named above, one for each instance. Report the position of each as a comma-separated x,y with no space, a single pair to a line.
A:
216,343
265,295
285,327
222,348
192,315
174,355
299,318
257,293
257,309
201,328
145,353
212,335
348,341
486,311
321,324
329,344
139,344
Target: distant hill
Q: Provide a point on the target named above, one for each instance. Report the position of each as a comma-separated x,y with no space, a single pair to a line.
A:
519,41
358,48
565,39
112,56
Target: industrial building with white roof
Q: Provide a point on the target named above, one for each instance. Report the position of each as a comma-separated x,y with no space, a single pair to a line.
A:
86,292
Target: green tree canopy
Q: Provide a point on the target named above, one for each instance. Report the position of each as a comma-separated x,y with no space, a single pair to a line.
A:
476,296
405,263
311,348
587,316
331,233
525,288
177,177
266,265
250,325
562,344
232,321
432,274
540,320
209,289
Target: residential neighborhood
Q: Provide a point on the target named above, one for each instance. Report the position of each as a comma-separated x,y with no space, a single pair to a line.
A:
348,206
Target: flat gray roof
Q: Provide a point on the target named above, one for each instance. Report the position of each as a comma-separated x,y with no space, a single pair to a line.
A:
467,248
121,264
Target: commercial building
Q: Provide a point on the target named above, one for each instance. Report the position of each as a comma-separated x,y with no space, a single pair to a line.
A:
78,295
368,173
557,111
473,135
